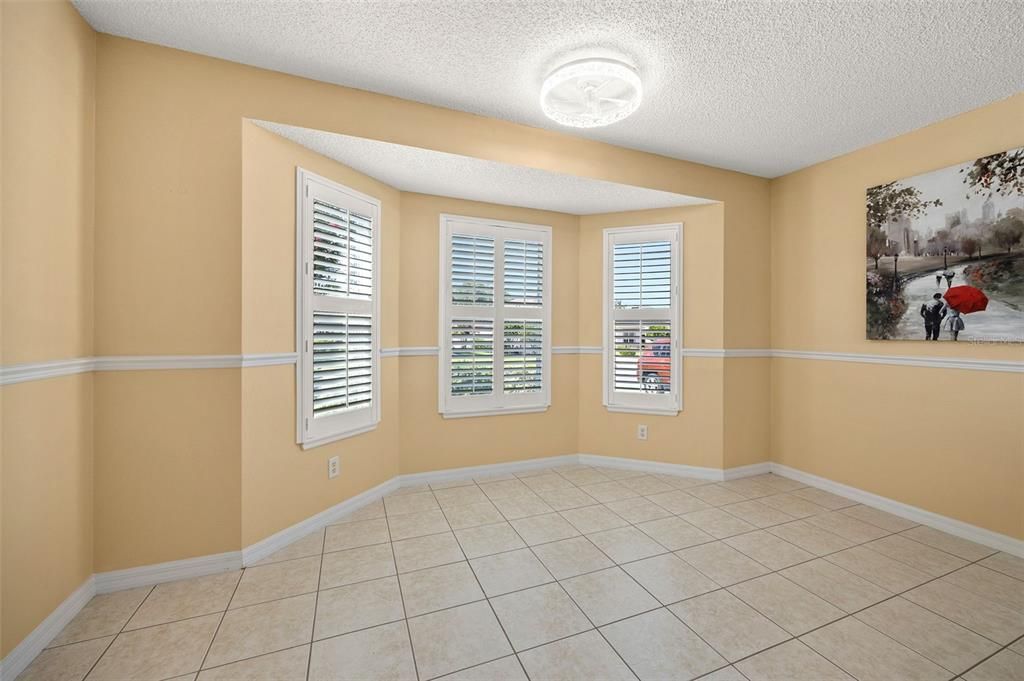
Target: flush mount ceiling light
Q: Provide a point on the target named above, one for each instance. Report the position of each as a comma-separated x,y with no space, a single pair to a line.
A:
590,93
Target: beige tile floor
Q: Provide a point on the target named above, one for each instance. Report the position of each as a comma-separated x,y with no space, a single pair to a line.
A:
578,573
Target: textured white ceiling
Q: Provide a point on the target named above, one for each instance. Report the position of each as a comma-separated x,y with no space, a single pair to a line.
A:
760,86
412,169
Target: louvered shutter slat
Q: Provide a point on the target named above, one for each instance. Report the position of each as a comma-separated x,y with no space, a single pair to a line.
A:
523,264
337,271
523,358
338,362
342,252
472,269
495,317
642,275
472,356
643,369
342,362
342,350
643,357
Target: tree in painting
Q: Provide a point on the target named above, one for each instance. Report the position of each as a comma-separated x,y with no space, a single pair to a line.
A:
945,253
889,203
1002,173
1008,232
877,242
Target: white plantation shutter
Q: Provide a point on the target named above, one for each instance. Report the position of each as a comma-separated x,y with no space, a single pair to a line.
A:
342,252
524,356
337,259
642,316
524,273
642,275
642,358
342,362
472,356
472,269
495,317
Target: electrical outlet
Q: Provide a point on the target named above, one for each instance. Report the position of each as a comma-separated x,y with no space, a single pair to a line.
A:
333,466
641,432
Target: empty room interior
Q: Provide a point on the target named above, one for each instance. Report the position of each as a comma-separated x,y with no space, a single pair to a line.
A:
533,340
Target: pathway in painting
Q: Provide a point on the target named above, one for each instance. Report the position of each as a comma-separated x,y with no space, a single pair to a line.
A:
999,322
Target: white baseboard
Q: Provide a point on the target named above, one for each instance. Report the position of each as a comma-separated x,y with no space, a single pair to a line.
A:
263,548
449,474
33,644
747,471
955,527
148,575
277,541
699,472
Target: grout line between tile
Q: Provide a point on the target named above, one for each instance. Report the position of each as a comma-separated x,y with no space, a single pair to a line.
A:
224,614
573,600
636,525
491,605
401,593
244,659
316,603
770,570
119,632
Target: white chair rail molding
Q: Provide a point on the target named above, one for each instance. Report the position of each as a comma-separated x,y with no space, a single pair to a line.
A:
461,340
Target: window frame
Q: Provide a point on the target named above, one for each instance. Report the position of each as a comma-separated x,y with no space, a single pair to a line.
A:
669,404
497,402
356,422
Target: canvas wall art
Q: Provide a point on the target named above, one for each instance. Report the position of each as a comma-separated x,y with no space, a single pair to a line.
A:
945,254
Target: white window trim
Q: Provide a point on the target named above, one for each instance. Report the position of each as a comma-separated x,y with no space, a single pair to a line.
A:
665,405
304,310
450,406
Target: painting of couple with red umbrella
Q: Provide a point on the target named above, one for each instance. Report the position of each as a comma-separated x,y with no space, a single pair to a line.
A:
945,254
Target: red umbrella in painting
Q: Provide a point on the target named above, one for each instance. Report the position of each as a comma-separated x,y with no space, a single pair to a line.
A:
966,299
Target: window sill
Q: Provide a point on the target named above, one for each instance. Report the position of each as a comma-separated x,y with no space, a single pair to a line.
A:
494,412
334,437
674,411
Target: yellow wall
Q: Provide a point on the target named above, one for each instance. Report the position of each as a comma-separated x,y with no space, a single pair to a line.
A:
421,215
281,483
179,246
169,181
693,437
747,413
818,216
49,80
167,465
950,441
169,140
703,270
49,116
2,649
47,498
431,442
268,238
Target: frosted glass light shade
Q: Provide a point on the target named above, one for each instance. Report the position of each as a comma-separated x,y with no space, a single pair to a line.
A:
591,93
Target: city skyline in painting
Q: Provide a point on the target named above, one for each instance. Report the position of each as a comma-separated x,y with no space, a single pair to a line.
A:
945,253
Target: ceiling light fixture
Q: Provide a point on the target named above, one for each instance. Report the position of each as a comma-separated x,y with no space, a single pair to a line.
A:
590,93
